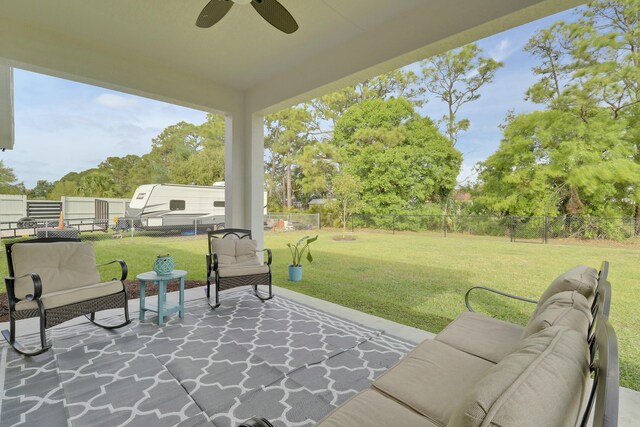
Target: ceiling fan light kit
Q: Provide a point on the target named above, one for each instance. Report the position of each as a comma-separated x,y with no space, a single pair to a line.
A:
271,10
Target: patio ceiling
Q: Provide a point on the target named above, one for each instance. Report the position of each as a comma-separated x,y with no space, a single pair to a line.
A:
153,48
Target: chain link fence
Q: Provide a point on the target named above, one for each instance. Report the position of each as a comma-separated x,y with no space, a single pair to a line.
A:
292,221
92,229
518,229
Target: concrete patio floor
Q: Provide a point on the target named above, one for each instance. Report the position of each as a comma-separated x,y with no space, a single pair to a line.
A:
629,411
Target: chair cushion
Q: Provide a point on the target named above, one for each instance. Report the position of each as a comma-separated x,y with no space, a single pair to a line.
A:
482,336
581,278
541,383
371,408
225,249
432,378
246,251
60,265
242,270
568,308
71,296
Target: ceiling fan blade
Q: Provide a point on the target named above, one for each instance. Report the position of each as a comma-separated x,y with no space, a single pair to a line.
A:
214,11
275,14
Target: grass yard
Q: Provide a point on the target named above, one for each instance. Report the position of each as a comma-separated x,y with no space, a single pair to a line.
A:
420,279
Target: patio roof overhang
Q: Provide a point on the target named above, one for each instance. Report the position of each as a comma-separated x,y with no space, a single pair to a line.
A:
242,66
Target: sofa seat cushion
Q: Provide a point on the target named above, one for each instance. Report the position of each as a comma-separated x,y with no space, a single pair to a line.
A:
482,336
568,308
432,378
542,383
371,408
71,296
242,270
60,265
581,278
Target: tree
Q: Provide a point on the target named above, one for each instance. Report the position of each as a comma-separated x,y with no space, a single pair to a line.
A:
8,182
287,133
95,184
347,189
554,163
394,84
595,63
121,171
41,191
401,158
456,77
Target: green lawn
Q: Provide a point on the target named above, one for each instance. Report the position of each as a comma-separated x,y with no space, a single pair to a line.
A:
420,279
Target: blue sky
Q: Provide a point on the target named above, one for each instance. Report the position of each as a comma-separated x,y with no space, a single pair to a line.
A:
63,127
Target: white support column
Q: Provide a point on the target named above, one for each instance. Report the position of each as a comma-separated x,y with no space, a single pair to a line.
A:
244,173
7,135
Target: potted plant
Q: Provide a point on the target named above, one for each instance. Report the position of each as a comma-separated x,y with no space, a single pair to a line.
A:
297,251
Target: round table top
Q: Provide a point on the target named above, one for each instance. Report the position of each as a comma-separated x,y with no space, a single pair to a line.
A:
152,275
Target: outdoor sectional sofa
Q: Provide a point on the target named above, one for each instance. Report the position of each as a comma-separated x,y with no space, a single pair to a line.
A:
481,371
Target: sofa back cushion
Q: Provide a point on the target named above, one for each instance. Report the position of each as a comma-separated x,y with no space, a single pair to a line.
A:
542,383
568,308
581,278
60,265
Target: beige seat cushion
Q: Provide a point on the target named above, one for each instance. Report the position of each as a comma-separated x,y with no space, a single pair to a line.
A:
568,308
581,278
60,265
541,383
71,296
432,378
482,336
371,408
242,270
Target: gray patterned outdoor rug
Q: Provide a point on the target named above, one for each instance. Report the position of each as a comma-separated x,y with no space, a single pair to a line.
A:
280,360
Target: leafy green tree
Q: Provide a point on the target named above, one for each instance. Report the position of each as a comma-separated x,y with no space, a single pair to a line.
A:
95,184
66,186
401,158
593,64
456,78
347,190
554,163
8,182
287,133
41,191
397,83
120,171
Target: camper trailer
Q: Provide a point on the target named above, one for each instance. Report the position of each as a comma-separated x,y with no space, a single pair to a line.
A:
176,207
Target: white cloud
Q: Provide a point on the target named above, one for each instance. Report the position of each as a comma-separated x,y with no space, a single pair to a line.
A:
115,101
503,50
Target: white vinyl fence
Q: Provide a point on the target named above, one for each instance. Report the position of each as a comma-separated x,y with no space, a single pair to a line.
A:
12,207
85,207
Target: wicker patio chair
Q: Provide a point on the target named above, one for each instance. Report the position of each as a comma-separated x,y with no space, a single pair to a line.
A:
232,261
57,280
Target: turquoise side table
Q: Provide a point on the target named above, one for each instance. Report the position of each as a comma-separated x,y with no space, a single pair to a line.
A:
163,308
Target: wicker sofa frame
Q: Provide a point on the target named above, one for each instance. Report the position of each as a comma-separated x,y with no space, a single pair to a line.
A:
57,315
224,283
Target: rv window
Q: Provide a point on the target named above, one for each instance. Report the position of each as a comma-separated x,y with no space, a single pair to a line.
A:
140,196
218,204
176,205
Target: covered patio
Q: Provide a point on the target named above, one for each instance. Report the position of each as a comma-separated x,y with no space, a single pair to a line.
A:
306,356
